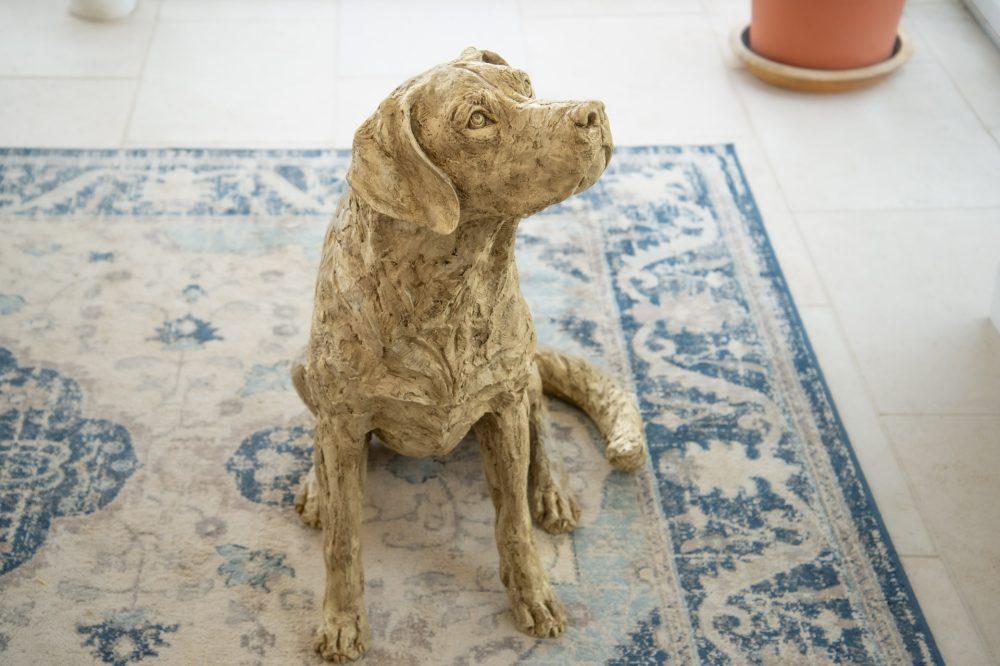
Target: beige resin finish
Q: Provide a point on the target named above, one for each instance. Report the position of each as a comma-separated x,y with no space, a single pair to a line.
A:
420,332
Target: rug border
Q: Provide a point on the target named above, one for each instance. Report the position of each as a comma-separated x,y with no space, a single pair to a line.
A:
893,576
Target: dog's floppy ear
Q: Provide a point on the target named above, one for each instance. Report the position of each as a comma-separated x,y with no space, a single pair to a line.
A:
392,174
472,54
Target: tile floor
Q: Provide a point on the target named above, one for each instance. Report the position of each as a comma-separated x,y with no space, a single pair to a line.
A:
883,205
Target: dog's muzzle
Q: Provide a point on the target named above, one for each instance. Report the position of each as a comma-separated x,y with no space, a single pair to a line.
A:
591,119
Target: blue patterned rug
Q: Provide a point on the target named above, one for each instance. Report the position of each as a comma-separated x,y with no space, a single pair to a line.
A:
151,444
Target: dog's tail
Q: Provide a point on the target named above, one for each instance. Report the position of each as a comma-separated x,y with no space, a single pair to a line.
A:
609,407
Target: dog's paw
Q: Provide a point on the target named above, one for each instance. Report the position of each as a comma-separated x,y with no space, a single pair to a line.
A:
345,638
554,510
307,502
542,615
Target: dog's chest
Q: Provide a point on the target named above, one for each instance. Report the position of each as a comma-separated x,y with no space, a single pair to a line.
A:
464,353
430,321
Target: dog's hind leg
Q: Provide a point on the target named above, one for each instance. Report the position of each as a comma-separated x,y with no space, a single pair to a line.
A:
340,461
553,506
300,380
306,500
504,443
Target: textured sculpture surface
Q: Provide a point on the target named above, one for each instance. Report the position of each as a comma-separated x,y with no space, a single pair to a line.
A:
420,332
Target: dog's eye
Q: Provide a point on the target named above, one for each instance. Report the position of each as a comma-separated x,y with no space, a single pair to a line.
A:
478,120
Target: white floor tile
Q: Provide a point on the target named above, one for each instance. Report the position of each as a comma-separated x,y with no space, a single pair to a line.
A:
878,461
357,98
244,83
783,232
953,629
578,8
952,462
398,39
922,52
967,53
912,291
661,77
64,112
727,16
248,10
41,38
909,142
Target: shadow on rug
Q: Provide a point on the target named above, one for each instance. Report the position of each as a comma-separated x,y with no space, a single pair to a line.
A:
151,444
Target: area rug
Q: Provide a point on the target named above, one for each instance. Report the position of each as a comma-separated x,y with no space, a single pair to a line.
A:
151,444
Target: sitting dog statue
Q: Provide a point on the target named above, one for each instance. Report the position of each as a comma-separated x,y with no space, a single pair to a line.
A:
420,332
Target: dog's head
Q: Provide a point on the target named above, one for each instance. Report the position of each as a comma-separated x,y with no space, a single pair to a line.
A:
468,140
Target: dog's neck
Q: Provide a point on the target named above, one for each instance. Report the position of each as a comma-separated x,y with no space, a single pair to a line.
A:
478,243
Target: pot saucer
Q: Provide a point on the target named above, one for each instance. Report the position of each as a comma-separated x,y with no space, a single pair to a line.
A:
820,80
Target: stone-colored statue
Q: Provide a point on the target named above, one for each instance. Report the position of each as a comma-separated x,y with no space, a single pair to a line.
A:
420,332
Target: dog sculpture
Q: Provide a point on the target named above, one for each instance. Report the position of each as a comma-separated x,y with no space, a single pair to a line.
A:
420,332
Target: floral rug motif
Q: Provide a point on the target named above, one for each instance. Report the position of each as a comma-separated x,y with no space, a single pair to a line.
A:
151,443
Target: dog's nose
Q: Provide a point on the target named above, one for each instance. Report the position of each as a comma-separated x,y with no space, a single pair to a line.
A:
587,114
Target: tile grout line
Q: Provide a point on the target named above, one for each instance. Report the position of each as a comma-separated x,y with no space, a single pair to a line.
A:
907,480
62,77
777,183
613,15
157,21
232,145
723,48
873,406
942,414
910,485
915,209
933,50
948,569
139,78
243,21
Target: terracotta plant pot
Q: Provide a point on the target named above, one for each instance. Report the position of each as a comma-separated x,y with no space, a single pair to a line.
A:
825,34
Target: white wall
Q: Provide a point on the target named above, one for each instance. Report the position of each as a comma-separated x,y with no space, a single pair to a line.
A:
987,12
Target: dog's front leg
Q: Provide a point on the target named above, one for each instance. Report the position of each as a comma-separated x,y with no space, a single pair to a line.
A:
340,460
504,441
